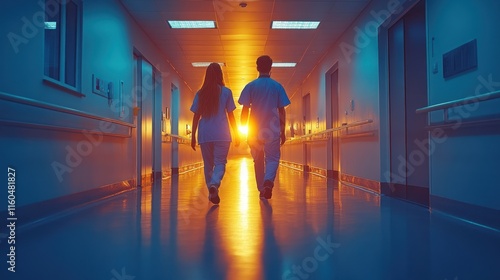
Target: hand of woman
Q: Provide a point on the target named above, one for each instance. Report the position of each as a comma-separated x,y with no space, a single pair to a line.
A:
283,138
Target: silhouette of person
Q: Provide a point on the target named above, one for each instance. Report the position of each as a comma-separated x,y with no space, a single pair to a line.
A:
265,100
213,107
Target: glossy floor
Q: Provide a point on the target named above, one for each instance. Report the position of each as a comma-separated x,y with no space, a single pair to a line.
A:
312,228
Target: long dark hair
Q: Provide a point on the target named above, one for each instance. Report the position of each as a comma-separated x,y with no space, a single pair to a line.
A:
209,93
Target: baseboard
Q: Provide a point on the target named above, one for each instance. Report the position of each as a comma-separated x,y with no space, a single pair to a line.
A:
185,168
414,194
480,215
147,179
36,213
166,174
157,176
419,195
292,165
318,171
190,167
305,168
370,185
333,174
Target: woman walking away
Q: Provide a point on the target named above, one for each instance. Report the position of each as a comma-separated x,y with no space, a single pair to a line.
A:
213,107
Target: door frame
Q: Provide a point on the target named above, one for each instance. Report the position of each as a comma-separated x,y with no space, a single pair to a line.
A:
174,125
307,123
156,91
333,146
418,195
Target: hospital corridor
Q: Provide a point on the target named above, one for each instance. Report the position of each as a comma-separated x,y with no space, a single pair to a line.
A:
381,116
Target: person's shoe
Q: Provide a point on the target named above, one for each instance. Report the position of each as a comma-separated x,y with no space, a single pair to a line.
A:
267,190
213,194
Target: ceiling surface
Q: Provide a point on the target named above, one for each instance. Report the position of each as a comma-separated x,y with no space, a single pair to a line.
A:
243,34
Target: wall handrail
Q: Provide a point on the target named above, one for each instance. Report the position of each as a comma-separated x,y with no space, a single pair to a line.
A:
453,125
358,135
60,128
61,109
345,125
459,102
180,139
330,130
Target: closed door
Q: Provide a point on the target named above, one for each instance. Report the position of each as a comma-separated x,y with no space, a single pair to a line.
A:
332,109
145,91
307,128
408,92
174,125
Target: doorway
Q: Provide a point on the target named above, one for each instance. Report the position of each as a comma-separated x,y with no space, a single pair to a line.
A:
332,120
174,126
409,156
147,95
306,129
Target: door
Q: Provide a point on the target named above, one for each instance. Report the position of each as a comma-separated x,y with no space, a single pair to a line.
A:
174,126
332,103
409,160
157,126
147,119
306,129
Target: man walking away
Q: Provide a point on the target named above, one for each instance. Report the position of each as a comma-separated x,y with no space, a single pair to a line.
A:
266,99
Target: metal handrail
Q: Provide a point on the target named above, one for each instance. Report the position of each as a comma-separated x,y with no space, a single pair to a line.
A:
330,130
61,128
180,139
460,102
61,109
356,135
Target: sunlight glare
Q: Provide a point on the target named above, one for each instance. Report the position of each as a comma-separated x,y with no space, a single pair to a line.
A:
243,130
242,228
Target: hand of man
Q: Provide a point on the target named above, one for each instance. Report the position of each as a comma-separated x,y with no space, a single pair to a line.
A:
283,138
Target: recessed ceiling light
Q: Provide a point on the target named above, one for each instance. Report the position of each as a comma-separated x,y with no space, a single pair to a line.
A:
284,64
277,24
191,23
205,64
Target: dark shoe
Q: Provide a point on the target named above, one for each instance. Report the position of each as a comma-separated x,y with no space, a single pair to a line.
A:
267,191
213,195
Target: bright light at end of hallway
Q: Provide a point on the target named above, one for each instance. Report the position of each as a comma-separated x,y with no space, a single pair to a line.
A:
243,129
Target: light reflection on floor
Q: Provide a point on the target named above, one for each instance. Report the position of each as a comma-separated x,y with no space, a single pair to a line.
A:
312,228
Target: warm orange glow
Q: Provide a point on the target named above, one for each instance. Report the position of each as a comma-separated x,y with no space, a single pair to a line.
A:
244,190
242,230
243,129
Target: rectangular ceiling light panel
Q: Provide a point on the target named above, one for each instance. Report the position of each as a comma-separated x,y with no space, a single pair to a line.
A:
205,64
295,24
284,64
193,24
